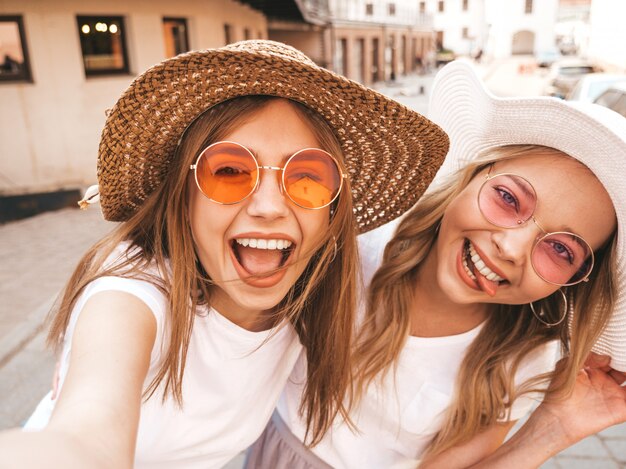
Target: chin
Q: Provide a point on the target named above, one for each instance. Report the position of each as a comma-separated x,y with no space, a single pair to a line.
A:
256,299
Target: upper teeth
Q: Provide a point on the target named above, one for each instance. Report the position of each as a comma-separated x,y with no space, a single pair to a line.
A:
264,243
482,267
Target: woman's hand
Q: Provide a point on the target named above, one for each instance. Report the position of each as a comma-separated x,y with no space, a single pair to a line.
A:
598,401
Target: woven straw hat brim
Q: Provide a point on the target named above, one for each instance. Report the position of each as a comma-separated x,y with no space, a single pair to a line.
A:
476,120
391,152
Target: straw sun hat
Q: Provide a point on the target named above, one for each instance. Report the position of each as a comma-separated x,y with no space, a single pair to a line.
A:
476,120
391,152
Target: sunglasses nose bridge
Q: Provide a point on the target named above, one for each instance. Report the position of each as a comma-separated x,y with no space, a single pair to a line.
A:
281,184
543,232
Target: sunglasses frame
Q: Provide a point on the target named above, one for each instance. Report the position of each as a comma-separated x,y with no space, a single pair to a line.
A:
283,187
545,234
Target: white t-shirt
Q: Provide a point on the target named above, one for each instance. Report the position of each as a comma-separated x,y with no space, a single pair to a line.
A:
398,418
232,381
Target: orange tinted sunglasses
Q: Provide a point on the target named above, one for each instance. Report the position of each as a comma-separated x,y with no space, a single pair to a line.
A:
228,173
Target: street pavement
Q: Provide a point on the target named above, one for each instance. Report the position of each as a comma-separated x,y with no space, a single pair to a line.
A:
38,255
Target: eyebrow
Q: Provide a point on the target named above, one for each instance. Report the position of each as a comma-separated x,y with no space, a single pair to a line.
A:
578,239
523,187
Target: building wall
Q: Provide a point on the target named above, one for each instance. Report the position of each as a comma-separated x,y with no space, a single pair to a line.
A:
505,19
403,33
50,129
454,19
405,12
608,34
394,59
311,42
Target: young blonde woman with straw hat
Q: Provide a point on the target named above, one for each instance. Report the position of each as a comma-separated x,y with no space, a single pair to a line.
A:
515,251
240,176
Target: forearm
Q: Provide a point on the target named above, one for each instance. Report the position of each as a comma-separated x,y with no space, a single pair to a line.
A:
541,438
20,449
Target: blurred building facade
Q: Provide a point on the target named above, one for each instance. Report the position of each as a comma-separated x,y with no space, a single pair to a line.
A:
377,40
63,63
520,26
572,27
607,36
460,25
495,28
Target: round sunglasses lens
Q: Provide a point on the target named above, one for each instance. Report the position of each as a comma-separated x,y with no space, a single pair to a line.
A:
226,173
562,258
507,200
312,178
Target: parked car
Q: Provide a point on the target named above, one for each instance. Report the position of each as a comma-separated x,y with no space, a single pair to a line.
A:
564,75
547,57
590,86
614,98
444,56
568,47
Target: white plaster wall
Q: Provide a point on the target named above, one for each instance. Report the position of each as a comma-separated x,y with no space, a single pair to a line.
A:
506,17
50,129
607,42
452,21
354,10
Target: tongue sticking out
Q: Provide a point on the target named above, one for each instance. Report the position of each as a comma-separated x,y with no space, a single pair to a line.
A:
488,286
259,261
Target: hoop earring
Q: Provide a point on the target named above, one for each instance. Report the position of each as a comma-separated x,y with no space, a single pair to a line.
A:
541,314
334,249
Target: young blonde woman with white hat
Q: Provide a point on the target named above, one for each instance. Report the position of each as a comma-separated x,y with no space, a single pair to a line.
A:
517,250
240,176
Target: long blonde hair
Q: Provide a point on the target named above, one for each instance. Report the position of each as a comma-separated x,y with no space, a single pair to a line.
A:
320,305
509,334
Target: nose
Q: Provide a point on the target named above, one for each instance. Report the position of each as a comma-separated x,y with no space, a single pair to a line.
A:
515,245
268,200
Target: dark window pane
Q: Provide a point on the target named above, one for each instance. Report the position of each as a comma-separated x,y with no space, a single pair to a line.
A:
102,41
14,61
528,7
228,33
175,36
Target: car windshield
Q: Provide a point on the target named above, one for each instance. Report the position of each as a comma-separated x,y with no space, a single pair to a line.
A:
597,87
576,70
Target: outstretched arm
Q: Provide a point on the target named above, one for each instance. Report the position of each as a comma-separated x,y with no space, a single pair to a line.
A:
95,420
598,401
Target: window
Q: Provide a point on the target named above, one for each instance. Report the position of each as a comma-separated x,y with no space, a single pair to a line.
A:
528,9
247,34
103,45
14,61
440,7
465,5
175,36
465,33
228,33
369,9
391,8
341,56
422,7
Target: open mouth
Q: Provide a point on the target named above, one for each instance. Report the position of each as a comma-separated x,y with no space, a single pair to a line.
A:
260,256
476,269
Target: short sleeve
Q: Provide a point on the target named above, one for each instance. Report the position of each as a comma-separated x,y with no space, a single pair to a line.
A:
542,360
143,290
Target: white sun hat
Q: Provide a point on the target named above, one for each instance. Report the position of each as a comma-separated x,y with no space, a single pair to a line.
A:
476,120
